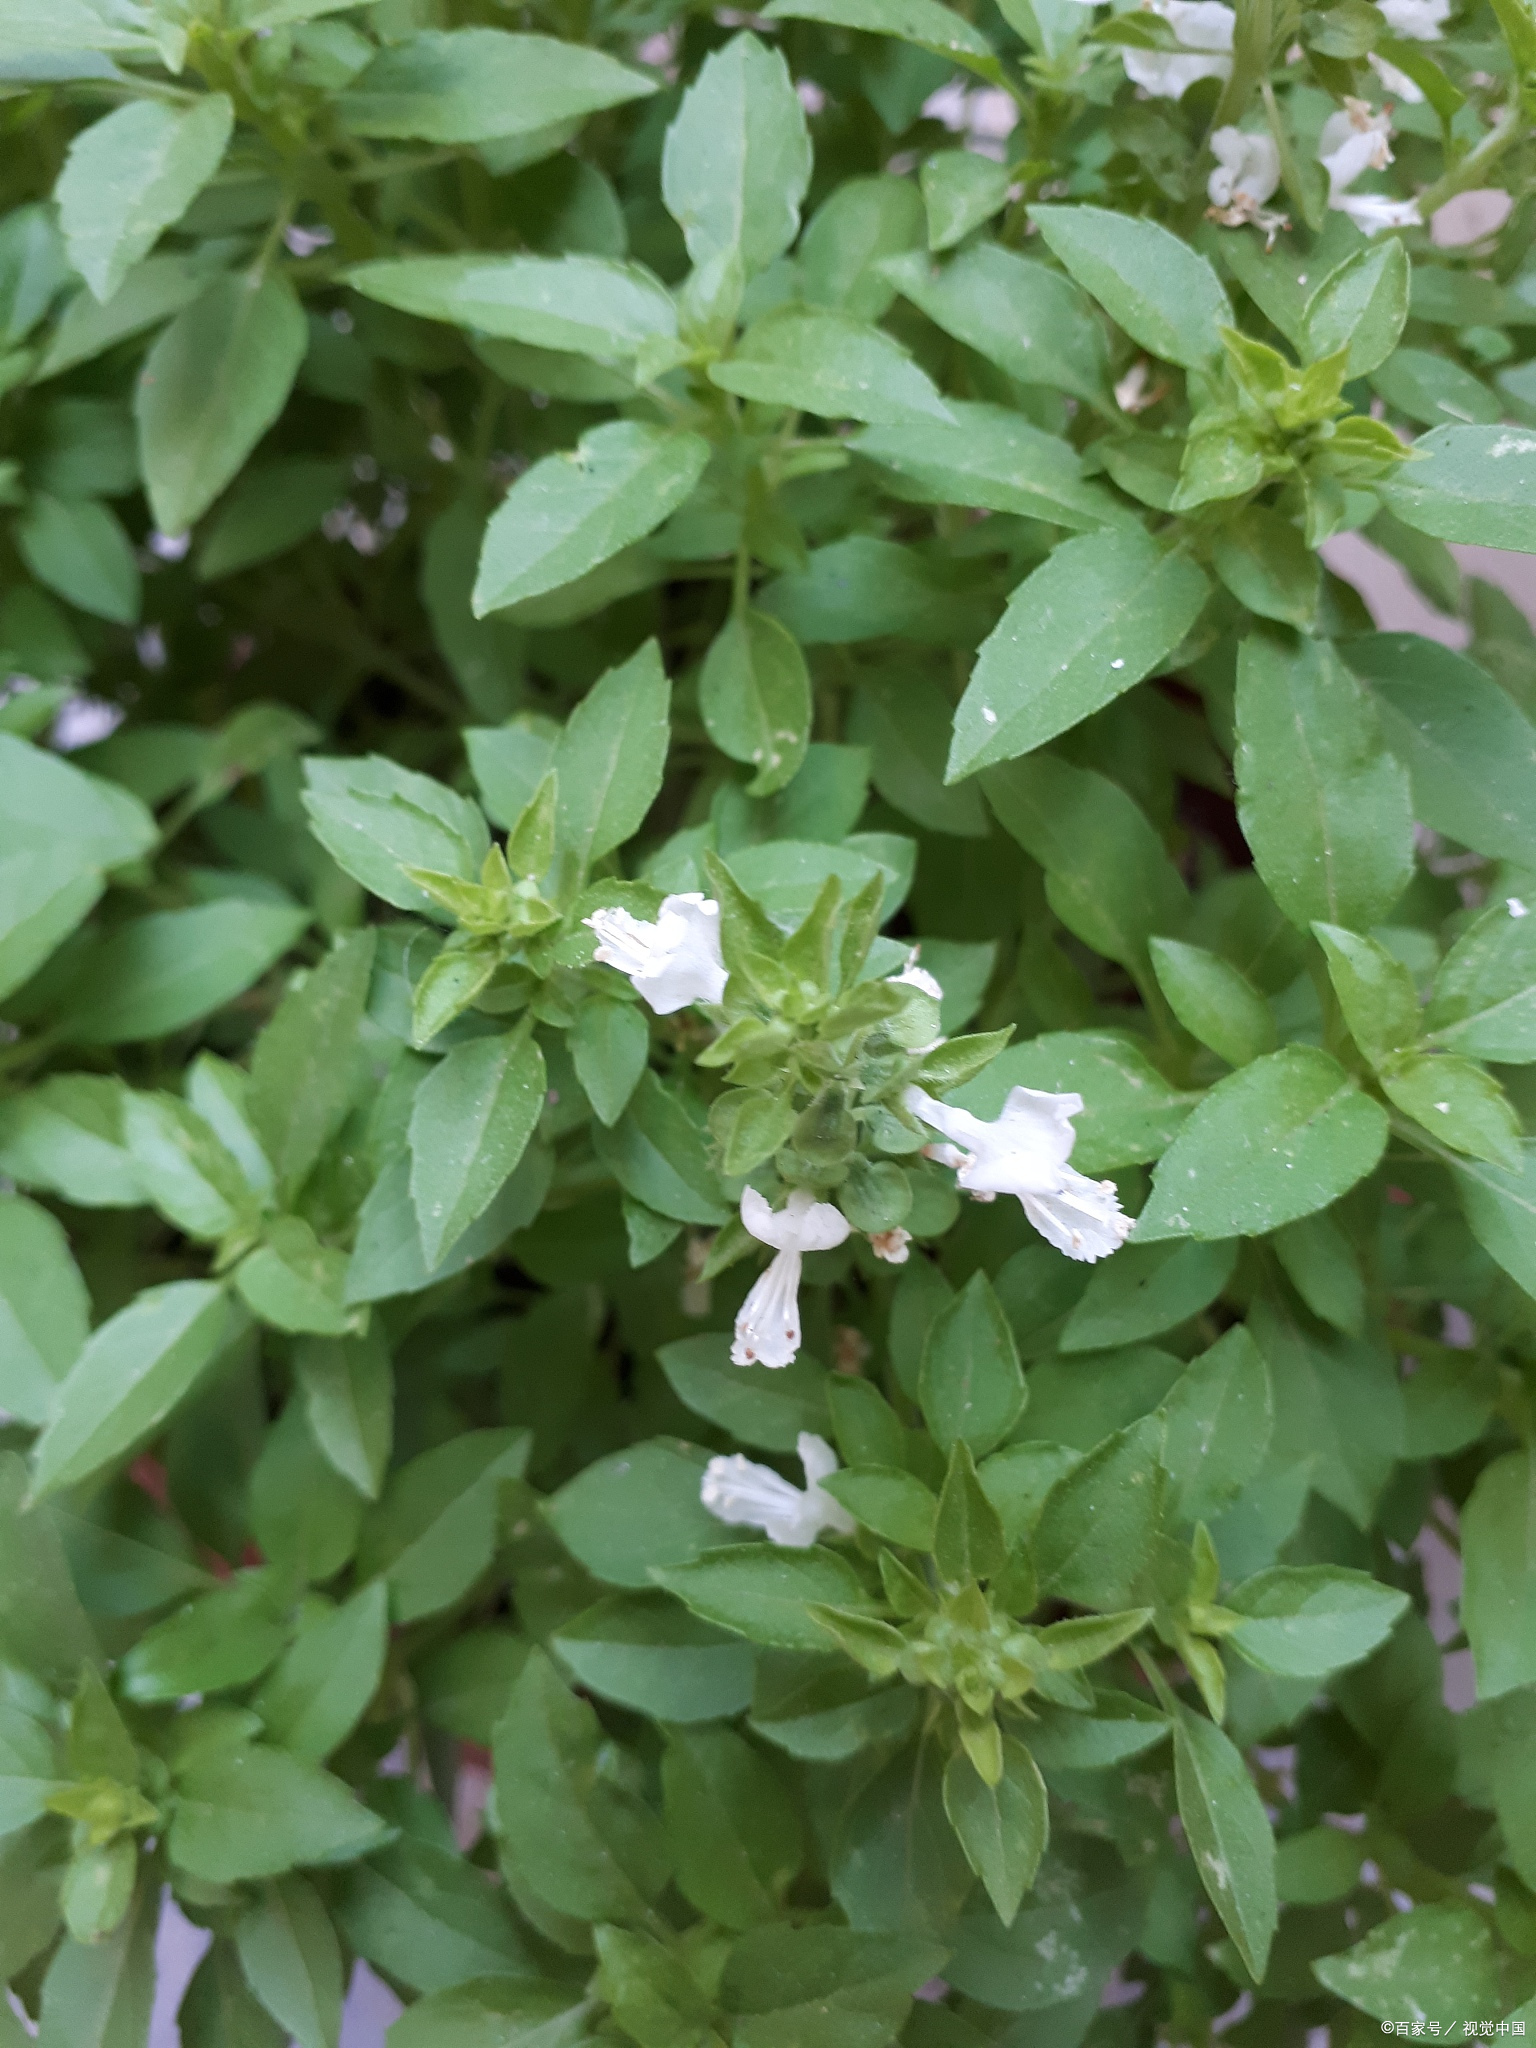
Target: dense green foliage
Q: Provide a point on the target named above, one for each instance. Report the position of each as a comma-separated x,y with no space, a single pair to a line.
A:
724,648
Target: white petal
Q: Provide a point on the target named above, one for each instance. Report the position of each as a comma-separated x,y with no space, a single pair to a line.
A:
768,1325
1083,1218
802,1225
816,1456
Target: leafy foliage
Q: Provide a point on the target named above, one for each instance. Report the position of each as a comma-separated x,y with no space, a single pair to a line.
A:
632,638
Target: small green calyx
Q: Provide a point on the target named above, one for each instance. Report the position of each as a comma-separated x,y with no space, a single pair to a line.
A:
102,1808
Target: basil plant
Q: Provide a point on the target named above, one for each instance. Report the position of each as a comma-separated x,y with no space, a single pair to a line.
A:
768,1227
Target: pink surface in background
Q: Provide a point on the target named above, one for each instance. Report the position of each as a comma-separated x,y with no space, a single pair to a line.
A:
1394,604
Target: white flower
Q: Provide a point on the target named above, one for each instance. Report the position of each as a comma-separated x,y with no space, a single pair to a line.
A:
1024,1152
768,1325
1417,21
913,976
756,1497
1396,82
673,962
1200,26
1353,141
894,1246
1246,174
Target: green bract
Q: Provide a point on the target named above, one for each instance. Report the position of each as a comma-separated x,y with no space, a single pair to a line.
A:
767,1151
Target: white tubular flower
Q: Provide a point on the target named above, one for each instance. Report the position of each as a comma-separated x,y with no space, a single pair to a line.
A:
1246,175
752,1496
1203,27
768,1325
1416,21
1396,82
914,1026
913,976
1024,1152
671,963
1354,141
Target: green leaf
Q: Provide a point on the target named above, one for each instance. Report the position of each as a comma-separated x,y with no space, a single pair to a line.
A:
483,85
968,1538
1322,803
734,1832
320,1688
1229,1835
100,1994
471,1123
1120,1726
822,1987
960,191
1472,483
1432,389
493,2012
1104,611
657,1155
1469,749
1498,1603
1099,1519
763,1592
301,1072
989,457
153,291
1108,876
765,1406
645,1651
1375,992
1025,317
49,804
428,1918
348,1392
1438,1958
587,304
435,1530
755,696
1145,1290
610,759
610,1043
600,1856
1166,296
924,22
44,1309
274,505
154,975
294,1282
1361,306
1500,1205
572,511
1263,559
636,1509
1282,1137
46,895
1214,1001
651,1992
223,1638
252,1812
737,159
815,360
130,175
1321,1264
210,387
1305,1621
1003,1827
43,1627
861,222
1460,1103
377,820
970,1386
1484,998
890,1502
219,2010
292,1961
78,548
28,1769
134,1370
387,1261
1217,1423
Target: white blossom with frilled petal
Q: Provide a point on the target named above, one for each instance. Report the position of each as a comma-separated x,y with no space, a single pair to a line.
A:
1024,1152
671,963
1203,28
1353,141
753,1496
768,1324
